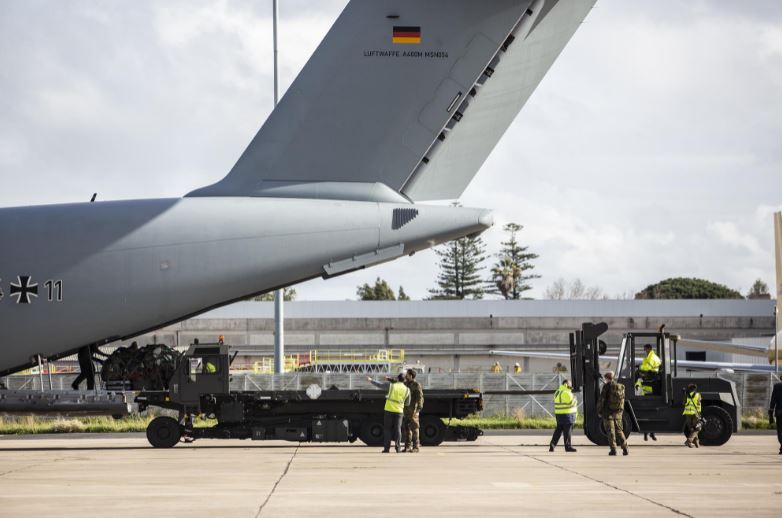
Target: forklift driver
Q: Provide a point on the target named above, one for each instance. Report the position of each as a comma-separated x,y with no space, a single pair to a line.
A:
648,378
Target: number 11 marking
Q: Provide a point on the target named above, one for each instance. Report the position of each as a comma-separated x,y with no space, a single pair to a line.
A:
51,287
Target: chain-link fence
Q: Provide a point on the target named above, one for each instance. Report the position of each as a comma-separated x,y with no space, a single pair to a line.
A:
753,389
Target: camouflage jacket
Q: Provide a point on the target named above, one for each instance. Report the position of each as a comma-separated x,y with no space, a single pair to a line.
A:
416,397
611,400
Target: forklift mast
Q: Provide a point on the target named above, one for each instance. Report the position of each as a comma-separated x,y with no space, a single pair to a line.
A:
585,351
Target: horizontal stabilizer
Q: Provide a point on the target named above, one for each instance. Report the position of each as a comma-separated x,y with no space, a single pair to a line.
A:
382,99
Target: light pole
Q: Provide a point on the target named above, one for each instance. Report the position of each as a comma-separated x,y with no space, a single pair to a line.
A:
279,295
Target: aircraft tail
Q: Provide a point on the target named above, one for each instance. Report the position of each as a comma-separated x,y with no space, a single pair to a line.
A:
404,99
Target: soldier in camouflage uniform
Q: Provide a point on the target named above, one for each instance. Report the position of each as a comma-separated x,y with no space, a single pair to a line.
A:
411,423
610,407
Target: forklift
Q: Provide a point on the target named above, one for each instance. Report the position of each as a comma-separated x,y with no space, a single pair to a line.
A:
661,411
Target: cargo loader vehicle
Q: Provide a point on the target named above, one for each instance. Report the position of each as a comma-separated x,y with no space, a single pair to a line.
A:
199,388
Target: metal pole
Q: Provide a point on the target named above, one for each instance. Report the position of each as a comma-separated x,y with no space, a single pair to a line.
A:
40,370
49,370
275,16
776,334
279,317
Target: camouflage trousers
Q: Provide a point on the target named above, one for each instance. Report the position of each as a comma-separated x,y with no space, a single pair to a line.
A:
410,427
613,427
692,426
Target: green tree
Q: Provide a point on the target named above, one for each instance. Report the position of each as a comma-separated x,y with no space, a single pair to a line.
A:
402,295
379,291
759,290
509,276
460,267
687,288
288,294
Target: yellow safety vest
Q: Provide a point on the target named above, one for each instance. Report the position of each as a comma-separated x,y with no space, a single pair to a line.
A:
651,363
395,399
646,390
564,401
692,405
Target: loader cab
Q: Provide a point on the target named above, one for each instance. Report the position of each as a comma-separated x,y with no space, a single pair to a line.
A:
632,353
202,370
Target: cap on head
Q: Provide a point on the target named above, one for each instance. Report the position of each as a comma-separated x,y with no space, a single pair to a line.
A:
648,347
692,387
609,375
401,377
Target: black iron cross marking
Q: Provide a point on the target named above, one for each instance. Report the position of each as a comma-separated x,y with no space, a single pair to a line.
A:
23,289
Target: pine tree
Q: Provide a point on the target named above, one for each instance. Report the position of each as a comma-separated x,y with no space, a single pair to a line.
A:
509,276
460,266
402,295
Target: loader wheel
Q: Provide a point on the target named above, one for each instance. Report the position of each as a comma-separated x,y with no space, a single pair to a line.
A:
432,431
371,432
164,432
718,427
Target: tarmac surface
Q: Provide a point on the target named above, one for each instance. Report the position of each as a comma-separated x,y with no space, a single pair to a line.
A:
121,475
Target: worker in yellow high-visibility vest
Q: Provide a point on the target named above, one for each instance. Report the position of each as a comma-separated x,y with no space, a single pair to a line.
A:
565,411
651,362
692,415
397,398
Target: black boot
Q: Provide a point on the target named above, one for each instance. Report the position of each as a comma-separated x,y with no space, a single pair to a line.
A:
612,452
550,447
570,449
624,450
654,437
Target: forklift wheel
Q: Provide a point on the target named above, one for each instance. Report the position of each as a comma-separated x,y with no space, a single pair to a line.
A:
163,432
718,427
600,437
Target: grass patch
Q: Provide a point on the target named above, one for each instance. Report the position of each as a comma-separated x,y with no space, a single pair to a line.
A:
756,419
751,420
516,421
100,424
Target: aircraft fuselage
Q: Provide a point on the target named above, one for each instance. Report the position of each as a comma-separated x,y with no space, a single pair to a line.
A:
80,274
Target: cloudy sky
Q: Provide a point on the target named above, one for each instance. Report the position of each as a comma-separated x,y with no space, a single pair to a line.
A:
653,148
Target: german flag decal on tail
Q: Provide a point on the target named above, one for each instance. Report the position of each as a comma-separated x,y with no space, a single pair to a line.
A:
407,35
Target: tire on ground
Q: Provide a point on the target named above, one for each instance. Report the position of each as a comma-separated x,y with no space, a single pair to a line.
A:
718,427
432,431
600,436
371,432
164,432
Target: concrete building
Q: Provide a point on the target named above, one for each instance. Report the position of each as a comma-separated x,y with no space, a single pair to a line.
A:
457,335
